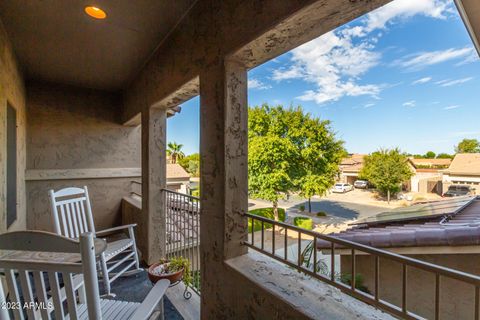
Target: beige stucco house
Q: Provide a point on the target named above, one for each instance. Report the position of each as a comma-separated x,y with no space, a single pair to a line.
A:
427,174
177,178
350,168
464,170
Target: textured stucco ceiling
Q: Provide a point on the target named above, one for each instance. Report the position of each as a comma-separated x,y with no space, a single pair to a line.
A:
56,41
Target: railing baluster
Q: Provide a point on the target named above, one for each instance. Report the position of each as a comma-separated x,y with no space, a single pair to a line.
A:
332,262
273,238
404,288
299,250
437,296
285,243
477,302
377,276
182,230
253,231
314,248
263,235
352,282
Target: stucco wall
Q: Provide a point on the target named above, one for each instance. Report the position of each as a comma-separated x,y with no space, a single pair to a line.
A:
456,298
77,129
12,90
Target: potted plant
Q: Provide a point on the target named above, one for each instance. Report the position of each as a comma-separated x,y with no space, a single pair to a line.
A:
175,269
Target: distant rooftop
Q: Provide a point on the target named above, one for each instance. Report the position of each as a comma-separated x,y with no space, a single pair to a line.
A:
465,164
352,163
176,171
430,162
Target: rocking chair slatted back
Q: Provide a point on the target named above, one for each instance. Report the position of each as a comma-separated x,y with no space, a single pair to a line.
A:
33,281
72,213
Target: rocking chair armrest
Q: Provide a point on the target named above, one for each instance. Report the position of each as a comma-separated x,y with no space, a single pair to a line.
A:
151,301
115,229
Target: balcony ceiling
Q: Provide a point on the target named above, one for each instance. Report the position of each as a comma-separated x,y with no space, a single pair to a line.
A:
56,41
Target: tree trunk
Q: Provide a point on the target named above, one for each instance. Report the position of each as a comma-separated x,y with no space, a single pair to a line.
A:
388,196
309,205
275,210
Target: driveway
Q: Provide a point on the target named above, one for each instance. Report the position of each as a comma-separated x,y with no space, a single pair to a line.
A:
337,210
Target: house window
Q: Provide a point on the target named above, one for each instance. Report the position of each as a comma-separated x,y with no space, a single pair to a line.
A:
11,165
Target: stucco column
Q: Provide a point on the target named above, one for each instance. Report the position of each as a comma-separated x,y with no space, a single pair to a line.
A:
154,163
224,195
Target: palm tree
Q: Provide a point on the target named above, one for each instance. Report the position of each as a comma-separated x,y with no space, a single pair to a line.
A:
174,150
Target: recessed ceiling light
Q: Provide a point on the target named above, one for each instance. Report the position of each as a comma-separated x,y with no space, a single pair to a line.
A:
95,12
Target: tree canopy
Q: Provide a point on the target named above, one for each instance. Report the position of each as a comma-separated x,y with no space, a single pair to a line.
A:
468,146
289,150
174,150
444,156
430,155
387,170
191,164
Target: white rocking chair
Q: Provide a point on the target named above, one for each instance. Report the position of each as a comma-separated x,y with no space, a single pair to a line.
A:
33,255
72,216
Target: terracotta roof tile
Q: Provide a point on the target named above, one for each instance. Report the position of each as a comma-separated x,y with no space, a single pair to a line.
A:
460,228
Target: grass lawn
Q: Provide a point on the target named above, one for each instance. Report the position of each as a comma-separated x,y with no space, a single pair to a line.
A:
266,213
303,222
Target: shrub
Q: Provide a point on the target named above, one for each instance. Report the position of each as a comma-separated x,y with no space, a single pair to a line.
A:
301,208
195,192
321,214
303,222
266,213
347,279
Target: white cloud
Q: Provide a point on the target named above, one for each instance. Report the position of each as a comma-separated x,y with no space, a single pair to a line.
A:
422,80
451,107
403,9
369,105
448,83
336,61
409,104
257,84
421,60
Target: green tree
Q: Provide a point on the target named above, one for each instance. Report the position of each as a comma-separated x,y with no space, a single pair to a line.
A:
444,156
191,164
468,146
429,155
387,170
174,150
271,166
321,154
290,151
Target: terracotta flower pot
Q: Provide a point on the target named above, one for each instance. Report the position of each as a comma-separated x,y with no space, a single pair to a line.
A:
173,277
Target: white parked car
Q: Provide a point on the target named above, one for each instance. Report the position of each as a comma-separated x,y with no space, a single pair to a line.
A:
342,187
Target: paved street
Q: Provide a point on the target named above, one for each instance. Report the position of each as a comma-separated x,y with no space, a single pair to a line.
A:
339,208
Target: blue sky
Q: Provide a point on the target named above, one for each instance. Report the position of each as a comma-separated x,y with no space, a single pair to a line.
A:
405,75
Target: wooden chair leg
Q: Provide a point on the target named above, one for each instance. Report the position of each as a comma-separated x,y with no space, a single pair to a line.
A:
106,279
134,247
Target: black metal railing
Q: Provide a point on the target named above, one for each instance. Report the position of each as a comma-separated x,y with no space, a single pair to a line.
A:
326,271
183,231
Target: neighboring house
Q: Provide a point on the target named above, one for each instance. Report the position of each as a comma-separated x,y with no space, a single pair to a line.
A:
427,175
350,168
445,233
177,178
464,170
